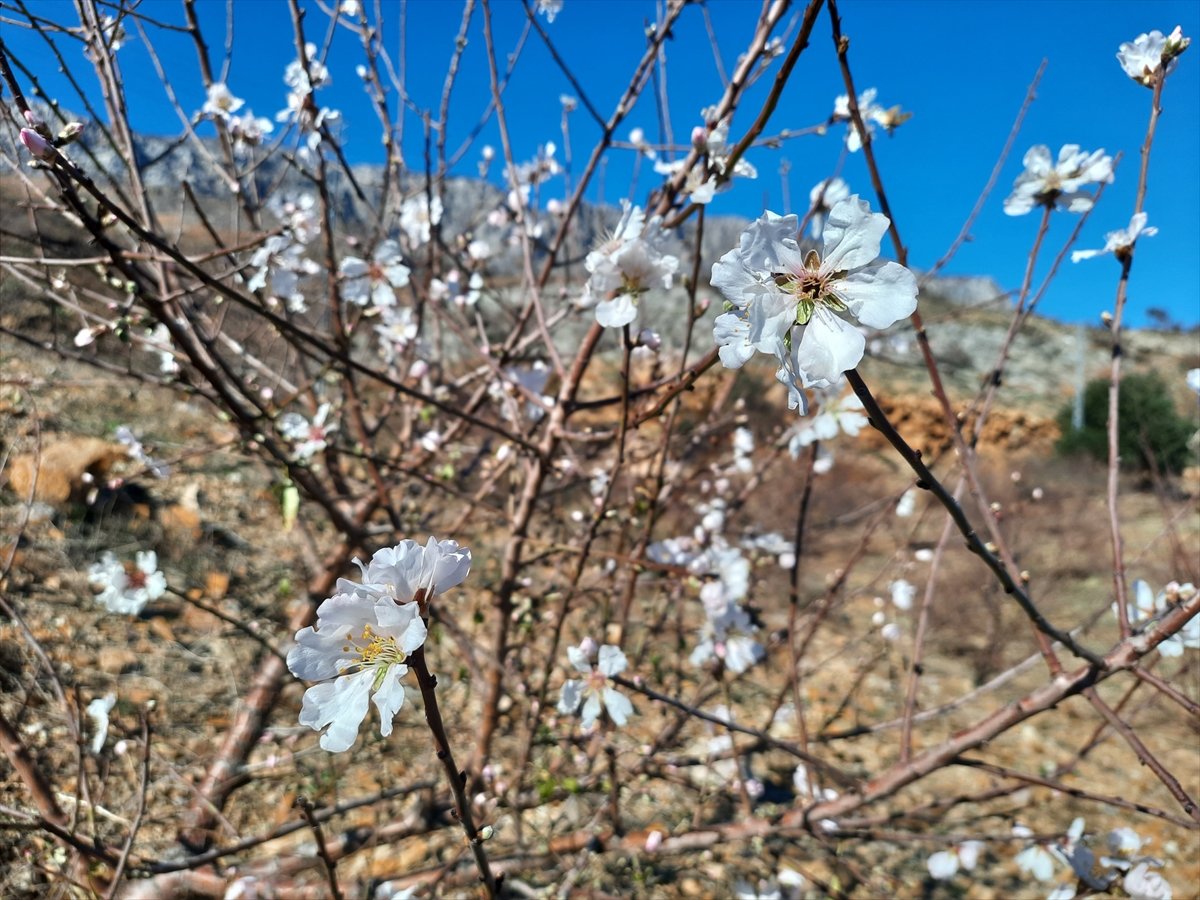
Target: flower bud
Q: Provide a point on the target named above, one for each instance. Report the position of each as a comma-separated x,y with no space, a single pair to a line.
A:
36,144
70,133
1176,44
700,137
32,118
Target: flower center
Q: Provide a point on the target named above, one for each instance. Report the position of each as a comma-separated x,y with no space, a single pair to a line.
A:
136,578
811,287
596,681
375,651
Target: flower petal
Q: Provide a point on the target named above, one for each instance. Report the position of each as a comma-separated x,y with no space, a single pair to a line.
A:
389,697
851,235
340,704
879,295
618,706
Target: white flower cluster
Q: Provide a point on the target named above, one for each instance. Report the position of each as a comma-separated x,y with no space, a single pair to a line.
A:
304,77
727,635
1144,57
1122,863
365,632
630,263
418,215
280,263
1046,182
784,301
704,182
836,413
247,129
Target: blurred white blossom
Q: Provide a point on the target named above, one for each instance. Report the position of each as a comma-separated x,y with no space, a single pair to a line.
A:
124,588
595,692
1058,183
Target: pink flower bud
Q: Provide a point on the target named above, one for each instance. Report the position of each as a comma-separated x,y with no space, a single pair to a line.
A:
36,144
32,118
699,137
589,648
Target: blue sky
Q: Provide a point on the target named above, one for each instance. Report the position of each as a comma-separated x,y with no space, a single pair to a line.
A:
961,68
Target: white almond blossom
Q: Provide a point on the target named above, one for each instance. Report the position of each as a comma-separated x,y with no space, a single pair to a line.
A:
549,8
418,215
1143,883
836,415
1058,183
704,182
374,282
627,265
248,130
127,589
400,572
945,863
356,651
595,692
888,118
784,300
1143,58
396,332
221,103
1121,241
457,289
365,632
308,438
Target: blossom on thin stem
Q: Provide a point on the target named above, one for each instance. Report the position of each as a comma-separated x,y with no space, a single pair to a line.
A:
221,102
308,437
627,265
595,692
1058,183
1143,58
872,114
376,281
784,300
1120,242
358,648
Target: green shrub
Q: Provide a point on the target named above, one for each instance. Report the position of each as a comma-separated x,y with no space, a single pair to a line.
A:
1151,434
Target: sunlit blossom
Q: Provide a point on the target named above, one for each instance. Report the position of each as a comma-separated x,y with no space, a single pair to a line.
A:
364,634
1121,241
308,438
785,301
1046,182
1143,58
595,692
627,265
221,103
124,588
374,282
